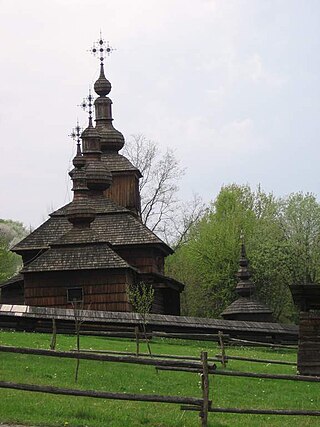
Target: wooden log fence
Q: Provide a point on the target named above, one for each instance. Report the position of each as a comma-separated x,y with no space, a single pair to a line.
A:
105,357
104,395
203,405
224,358
156,355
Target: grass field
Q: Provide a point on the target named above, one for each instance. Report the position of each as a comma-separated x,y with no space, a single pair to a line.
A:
48,410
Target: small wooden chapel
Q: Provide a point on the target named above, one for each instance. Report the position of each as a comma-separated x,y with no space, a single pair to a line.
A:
92,249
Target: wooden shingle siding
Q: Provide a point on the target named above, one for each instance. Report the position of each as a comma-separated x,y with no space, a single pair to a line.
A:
309,343
147,260
124,191
100,289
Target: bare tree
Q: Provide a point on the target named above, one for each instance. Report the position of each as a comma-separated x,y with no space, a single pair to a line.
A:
176,230
78,315
141,298
161,210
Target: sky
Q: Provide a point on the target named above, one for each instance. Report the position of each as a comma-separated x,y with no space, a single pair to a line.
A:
233,87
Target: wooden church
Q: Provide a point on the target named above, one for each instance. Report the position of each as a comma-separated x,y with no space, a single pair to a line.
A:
92,249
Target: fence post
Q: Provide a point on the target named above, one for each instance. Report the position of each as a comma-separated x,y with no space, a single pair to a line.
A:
223,353
54,335
205,389
136,331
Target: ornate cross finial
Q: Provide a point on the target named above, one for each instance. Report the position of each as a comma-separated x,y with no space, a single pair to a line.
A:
101,49
75,135
87,104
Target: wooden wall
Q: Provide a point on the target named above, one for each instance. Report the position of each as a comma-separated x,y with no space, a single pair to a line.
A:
103,290
147,260
171,301
309,343
124,191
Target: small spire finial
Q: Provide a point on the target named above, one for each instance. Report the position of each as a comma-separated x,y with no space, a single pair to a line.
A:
242,240
75,135
101,49
87,105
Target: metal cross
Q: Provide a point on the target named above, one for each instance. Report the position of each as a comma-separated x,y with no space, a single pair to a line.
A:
101,49
87,104
75,135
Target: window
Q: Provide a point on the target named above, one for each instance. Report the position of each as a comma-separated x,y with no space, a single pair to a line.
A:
75,295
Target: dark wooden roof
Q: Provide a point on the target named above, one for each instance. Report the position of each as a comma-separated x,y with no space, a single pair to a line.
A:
100,204
247,306
14,279
156,321
88,257
158,278
117,228
118,163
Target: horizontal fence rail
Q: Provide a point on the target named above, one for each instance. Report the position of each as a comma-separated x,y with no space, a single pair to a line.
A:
261,344
160,356
268,376
103,394
249,359
295,412
104,357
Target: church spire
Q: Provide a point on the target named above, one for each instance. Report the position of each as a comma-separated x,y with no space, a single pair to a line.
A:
99,178
111,139
245,287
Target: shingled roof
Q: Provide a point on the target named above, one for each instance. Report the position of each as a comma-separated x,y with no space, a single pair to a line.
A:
100,204
77,257
246,306
118,229
118,163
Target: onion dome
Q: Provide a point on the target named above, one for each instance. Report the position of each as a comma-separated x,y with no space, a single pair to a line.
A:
102,86
111,139
97,175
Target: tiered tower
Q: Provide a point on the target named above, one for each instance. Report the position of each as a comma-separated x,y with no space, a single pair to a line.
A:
97,246
246,307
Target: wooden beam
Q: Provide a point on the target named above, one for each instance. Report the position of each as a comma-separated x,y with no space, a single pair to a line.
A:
248,359
268,376
257,411
102,394
101,357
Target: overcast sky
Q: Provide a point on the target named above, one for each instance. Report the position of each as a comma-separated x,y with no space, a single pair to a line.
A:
232,86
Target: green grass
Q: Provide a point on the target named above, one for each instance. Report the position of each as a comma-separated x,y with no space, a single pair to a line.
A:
49,410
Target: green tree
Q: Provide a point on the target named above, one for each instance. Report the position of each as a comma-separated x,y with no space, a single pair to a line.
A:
11,232
300,221
282,242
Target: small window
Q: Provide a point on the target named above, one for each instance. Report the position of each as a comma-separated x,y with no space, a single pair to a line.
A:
75,295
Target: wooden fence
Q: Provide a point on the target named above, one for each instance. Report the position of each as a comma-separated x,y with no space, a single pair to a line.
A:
202,405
